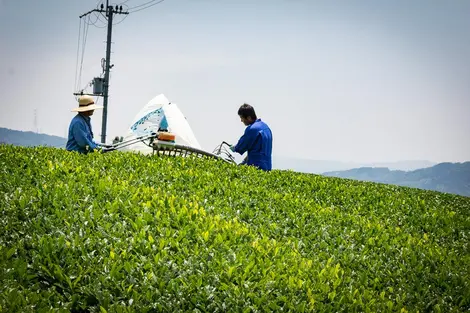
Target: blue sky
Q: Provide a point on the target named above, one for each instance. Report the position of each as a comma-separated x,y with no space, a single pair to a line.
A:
360,81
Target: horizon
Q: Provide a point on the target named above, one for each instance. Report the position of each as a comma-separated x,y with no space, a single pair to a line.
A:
343,81
287,158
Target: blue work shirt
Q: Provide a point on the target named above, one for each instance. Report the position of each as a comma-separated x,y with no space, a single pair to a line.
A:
258,141
80,135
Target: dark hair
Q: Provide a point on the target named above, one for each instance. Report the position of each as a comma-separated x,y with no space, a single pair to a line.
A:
247,110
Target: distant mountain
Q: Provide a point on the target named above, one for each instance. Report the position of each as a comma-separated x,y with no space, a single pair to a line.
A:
321,166
444,177
29,139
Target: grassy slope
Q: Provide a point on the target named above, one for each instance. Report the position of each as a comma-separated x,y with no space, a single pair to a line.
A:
128,232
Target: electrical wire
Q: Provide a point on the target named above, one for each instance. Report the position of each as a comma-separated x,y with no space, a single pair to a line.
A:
86,25
87,22
106,18
140,7
84,39
92,23
78,51
98,18
143,4
126,7
125,16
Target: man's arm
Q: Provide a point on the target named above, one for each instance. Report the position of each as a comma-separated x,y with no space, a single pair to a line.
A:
79,133
245,141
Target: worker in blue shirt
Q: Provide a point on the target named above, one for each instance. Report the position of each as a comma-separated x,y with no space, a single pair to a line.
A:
257,140
80,136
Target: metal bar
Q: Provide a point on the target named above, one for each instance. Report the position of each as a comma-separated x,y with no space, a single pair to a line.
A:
91,11
87,94
173,146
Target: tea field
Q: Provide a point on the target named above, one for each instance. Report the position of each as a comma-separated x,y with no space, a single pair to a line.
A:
121,232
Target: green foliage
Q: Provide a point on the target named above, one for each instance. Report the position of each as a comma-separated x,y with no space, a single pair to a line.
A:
122,232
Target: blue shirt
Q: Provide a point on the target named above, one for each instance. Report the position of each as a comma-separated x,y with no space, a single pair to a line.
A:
258,141
80,135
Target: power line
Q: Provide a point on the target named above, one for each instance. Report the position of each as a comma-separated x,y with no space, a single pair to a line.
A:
98,19
78,51
143,4
121,20
101,85
125,16
150,4
86,25
94,23
105,22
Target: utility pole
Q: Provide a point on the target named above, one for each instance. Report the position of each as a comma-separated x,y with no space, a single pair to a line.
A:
109,12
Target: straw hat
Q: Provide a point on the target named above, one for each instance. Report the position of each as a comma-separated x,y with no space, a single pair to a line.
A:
86,103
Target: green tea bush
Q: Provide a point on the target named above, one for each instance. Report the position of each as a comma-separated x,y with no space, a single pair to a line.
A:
122,232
